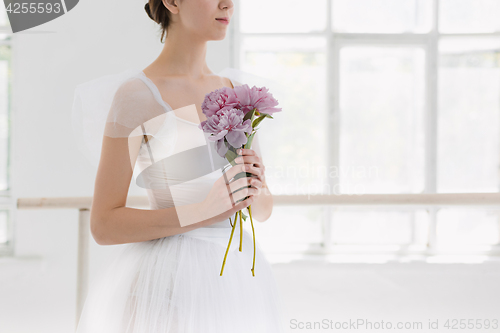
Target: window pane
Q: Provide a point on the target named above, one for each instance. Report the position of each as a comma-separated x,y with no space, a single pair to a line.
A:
4,114
264,16
382,16
469,16
290,228
379,227
458,227
381,119
295,157
469,107
4,228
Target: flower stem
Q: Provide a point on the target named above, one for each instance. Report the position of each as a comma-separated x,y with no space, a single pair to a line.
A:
241,231
253,233
229,244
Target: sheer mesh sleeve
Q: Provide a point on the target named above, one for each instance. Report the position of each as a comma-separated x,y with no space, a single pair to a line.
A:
134,111
118,106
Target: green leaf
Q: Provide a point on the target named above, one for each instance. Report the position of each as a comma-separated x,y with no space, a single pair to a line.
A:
249,115
258,120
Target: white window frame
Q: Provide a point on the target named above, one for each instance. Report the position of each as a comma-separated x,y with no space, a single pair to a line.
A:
335,41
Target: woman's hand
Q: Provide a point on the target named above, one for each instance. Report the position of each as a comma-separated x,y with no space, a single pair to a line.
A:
262,206
249,157
222,200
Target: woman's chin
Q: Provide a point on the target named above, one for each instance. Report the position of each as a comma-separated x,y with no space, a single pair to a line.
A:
219,36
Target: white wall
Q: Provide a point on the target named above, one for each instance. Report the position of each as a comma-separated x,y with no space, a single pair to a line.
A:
37,289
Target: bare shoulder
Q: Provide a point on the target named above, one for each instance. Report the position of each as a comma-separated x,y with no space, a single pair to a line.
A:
224,81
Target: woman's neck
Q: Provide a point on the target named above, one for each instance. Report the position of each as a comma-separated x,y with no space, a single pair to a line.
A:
182,58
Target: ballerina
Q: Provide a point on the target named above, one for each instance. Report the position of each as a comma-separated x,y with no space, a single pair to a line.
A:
166,276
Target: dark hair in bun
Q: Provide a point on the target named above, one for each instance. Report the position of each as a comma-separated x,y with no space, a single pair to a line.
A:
159,13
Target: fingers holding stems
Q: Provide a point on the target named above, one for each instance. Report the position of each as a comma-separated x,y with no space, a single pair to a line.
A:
248,162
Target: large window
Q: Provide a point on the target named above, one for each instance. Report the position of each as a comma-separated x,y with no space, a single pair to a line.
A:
6,202
383,96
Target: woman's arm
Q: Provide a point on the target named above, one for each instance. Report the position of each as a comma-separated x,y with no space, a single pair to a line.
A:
113,223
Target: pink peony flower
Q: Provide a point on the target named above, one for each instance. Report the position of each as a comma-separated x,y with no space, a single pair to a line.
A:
225,109
217,100
260,98
227,124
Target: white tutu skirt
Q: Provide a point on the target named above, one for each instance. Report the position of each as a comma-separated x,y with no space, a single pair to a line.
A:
173,285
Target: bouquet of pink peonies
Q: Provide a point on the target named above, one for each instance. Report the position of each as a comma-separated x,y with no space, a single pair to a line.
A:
232,119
